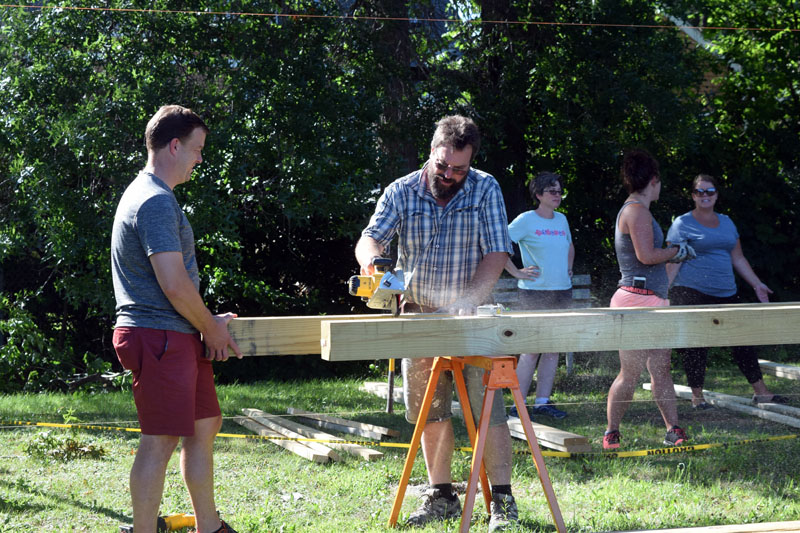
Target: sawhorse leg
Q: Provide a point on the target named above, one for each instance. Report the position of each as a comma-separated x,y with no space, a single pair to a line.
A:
501,375
439,365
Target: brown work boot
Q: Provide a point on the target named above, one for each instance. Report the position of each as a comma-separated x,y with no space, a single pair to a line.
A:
435,506
504,513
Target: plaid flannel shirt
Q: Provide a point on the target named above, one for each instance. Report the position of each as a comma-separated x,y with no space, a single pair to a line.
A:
440,247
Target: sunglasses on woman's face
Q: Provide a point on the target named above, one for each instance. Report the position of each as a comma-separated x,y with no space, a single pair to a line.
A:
711,191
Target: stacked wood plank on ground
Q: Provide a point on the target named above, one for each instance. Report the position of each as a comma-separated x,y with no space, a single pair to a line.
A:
553,438
295,437
276,438
548,437
779,370
767,527
381,390
782,414
343,425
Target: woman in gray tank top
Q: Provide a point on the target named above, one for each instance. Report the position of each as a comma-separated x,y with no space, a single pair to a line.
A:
638,241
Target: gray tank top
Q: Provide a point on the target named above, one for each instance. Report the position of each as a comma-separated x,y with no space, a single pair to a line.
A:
630,266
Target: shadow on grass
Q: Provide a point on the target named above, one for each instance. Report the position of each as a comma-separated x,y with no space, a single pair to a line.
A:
6,505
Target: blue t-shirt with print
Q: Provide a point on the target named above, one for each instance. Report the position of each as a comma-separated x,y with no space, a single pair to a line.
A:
544,242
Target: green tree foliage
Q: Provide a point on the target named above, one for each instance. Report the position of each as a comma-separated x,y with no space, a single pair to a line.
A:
311,116
572,97
289,166
755,140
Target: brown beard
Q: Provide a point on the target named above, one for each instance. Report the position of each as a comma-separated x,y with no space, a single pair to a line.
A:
441,192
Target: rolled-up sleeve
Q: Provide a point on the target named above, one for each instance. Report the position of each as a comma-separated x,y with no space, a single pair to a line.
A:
386,219
494,223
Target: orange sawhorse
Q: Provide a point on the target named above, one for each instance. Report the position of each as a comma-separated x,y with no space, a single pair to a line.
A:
501,374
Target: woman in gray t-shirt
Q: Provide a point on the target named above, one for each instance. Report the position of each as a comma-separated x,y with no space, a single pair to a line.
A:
709,279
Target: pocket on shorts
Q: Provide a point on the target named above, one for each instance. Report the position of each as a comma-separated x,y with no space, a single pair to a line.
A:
127,349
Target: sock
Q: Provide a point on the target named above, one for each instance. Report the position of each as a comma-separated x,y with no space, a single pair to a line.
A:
501,489
446,489
541,401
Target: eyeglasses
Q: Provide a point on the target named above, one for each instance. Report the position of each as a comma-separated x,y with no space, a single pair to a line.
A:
711,191
556,192
456,171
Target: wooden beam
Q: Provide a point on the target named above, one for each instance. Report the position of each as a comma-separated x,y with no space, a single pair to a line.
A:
337,443
362,428
767,527
293,446
787,410
284,335
381,390
596,329
779,370
274,423
740,405
553,438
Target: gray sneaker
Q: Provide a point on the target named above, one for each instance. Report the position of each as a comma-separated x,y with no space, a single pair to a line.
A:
434,507
504,513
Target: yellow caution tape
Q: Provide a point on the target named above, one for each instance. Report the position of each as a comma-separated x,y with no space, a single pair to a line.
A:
467,449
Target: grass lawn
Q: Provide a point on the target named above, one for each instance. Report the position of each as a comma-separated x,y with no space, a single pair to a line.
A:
264,488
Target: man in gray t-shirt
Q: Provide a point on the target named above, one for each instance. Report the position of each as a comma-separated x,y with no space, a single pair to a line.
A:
149,221
164,332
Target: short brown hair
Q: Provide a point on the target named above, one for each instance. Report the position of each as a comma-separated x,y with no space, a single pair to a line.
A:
457,131
542,181
171,122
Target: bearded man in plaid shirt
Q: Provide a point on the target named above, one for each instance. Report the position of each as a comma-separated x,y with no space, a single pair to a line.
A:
452,232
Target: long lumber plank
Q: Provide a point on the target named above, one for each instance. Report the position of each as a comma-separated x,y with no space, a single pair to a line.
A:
284,335
337,443
596,329
341,428
779,370
713,399
552,438
381,390
572,448
274,423
788,410
766,527
361,426
293,446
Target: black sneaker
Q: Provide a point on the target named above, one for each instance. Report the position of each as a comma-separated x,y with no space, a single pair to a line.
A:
435,506
675,437
702,406
550,410
225,528
776,398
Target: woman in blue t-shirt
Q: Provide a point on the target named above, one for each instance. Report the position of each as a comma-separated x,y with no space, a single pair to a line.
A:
709,279
546,281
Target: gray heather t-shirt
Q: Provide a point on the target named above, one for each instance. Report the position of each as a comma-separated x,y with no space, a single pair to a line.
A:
148,221
712,272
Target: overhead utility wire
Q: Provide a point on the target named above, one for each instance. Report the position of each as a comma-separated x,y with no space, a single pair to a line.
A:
398,19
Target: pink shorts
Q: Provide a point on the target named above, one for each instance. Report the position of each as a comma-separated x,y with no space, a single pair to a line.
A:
173,383
623,298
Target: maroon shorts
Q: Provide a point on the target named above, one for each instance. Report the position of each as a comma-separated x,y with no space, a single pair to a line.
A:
173,383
